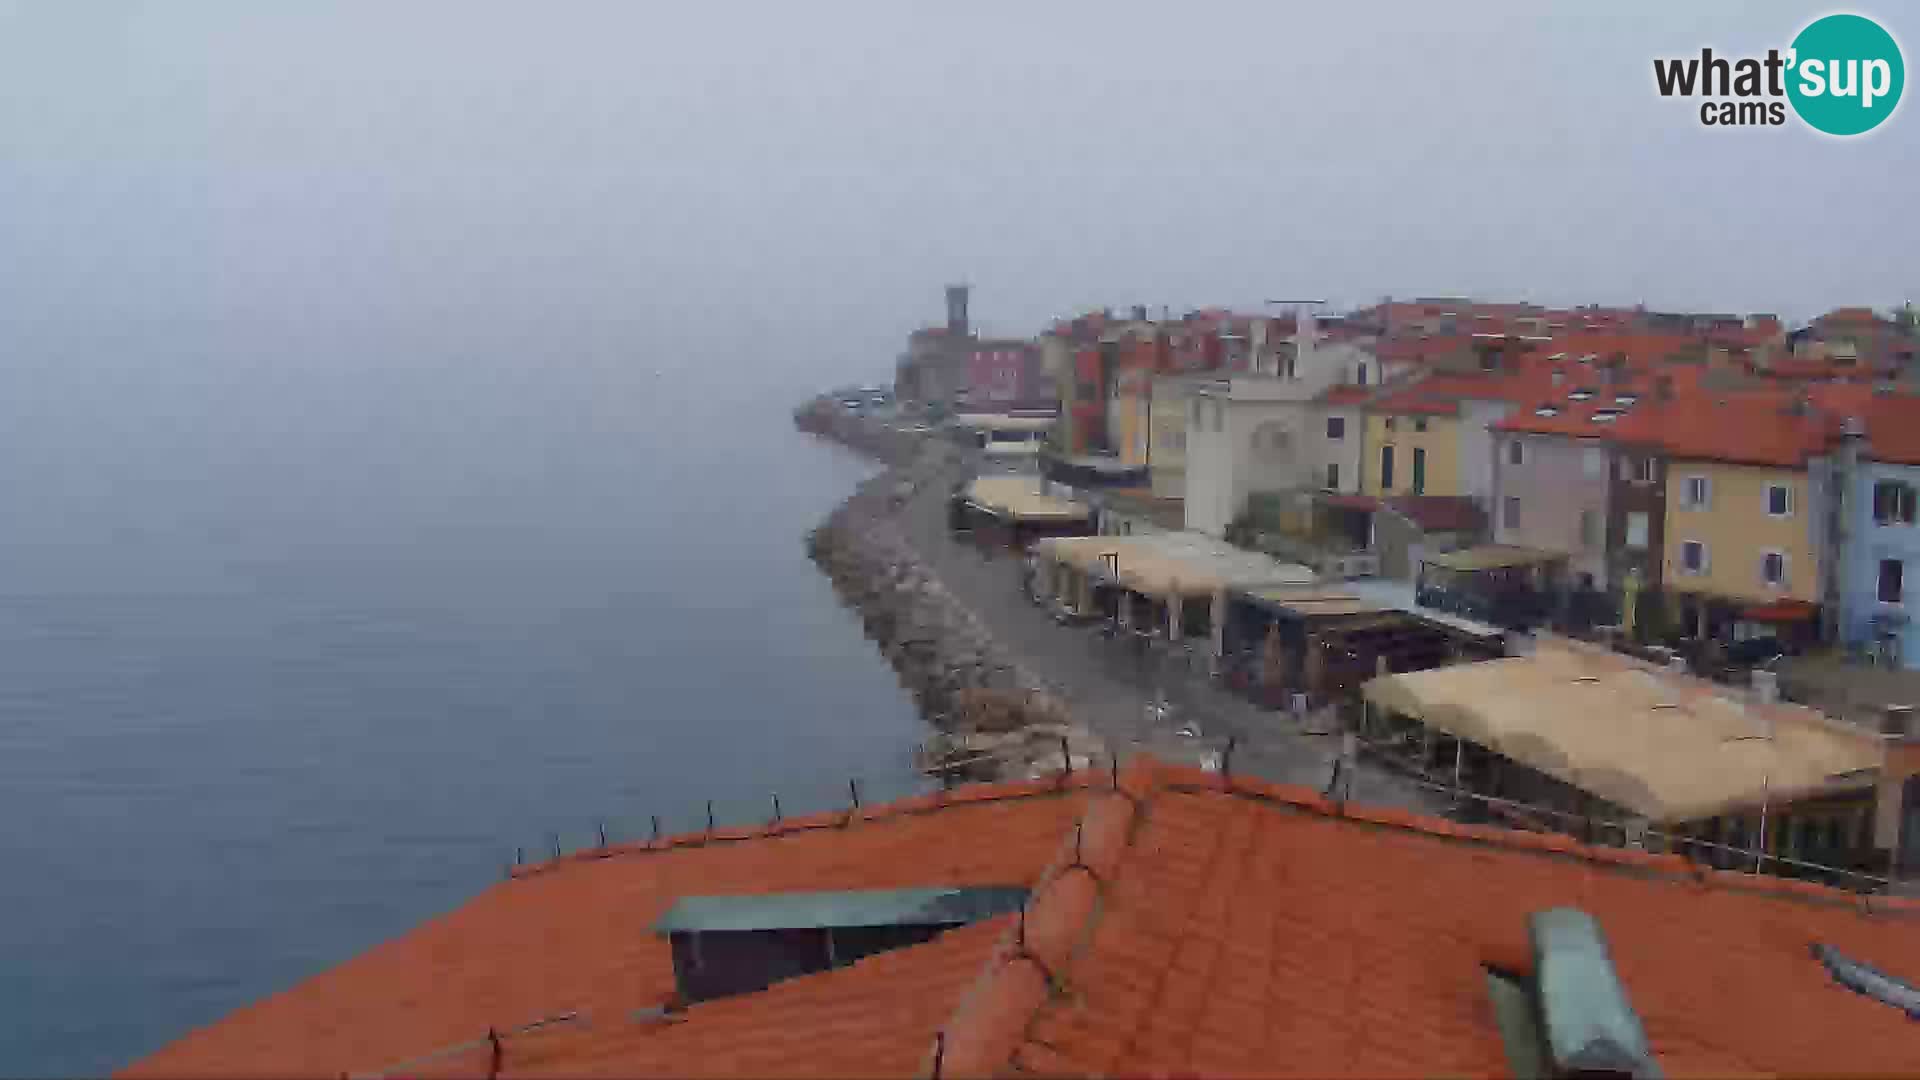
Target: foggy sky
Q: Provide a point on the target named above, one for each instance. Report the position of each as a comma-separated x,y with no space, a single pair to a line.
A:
489,175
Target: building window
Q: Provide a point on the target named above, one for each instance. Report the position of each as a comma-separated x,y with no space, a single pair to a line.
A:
1593,461
1693,557
1360,374
1270,442
1643,470
1390,423
1419,470
1333,475
1779,500
1513,452
1510,512
1773,568
1589,528
1420,423
1891,573
1336,427
1696,493
1892,503
1386,468
1637,524
1195,422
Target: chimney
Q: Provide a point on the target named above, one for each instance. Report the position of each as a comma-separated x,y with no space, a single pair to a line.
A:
1559,377
1520,643
1896,721
1766,687
1139,313
1677,665
957,310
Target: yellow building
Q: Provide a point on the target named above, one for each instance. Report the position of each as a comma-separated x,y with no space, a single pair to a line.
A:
1167,445
1741,533
1410,453
1129,423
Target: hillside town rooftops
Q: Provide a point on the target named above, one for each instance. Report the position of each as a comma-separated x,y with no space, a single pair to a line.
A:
1181,923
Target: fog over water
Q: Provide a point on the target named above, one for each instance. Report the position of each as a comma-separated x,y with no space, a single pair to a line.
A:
394,453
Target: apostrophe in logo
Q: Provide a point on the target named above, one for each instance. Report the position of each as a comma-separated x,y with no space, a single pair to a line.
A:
1843,75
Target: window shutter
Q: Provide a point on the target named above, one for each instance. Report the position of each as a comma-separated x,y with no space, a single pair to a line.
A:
1706,558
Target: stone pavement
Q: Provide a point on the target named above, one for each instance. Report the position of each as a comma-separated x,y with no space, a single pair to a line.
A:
1110,691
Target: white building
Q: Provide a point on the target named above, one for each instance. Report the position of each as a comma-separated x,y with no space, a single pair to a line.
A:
1296,429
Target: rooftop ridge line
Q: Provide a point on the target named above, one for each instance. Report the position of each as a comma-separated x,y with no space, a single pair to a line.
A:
1053,785
993,1017
1680,869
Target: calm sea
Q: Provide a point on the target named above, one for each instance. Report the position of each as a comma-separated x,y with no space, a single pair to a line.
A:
292,656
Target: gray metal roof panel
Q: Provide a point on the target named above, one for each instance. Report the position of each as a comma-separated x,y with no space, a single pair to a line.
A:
866,907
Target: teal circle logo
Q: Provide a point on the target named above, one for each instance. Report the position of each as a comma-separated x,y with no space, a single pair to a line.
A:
1845,74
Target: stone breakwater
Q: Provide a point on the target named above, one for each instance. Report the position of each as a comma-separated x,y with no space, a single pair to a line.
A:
993,716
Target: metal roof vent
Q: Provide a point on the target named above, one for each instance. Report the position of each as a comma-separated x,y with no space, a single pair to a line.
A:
727,945
1569,1016
1588,1026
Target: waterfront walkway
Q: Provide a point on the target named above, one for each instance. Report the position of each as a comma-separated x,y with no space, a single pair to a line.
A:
1110,692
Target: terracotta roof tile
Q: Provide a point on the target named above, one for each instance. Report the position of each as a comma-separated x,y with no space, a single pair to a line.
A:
578,936
1346,394
1217,926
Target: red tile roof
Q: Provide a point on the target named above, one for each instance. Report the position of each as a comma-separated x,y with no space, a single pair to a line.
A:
1190,925
1347,394
1302,949
576,935
1441,393
1892,420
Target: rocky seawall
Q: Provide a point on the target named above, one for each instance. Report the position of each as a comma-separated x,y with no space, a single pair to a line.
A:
992,716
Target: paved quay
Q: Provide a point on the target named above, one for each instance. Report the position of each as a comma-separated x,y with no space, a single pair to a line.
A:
1111,692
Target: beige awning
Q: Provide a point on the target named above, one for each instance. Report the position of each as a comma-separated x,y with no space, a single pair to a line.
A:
1313,602
1018,498
1665,746
1493,557
1159,564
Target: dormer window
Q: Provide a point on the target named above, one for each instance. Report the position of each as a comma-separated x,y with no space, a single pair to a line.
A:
1547,410
742,944
1580,394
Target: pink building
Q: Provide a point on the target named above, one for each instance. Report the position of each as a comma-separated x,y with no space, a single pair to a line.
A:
1002,374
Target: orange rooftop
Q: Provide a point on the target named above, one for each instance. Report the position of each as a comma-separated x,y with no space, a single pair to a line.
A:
1145,921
